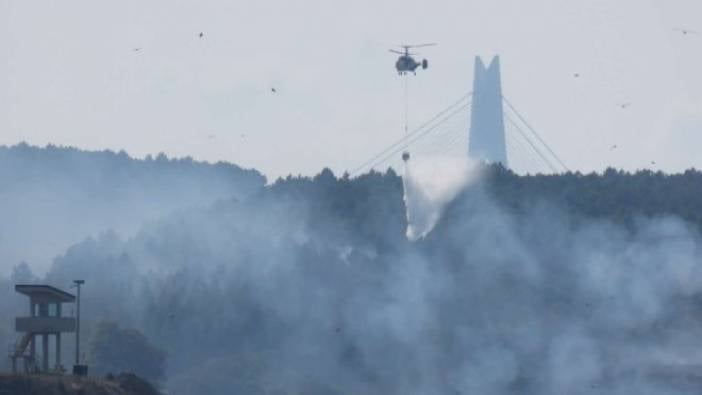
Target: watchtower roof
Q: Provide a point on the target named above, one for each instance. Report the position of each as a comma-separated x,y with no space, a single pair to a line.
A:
45,292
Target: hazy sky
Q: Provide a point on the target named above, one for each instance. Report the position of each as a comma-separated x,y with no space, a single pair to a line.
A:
69,75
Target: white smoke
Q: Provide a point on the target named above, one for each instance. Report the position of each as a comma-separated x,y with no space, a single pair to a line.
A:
430,183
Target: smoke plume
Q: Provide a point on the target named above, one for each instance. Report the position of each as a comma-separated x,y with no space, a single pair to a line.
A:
310,286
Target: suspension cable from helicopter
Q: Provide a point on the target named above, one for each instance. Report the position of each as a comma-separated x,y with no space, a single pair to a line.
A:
406,104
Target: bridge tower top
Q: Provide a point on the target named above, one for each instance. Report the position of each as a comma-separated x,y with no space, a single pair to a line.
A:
487,128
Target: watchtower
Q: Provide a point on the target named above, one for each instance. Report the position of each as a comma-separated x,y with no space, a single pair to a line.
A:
45,319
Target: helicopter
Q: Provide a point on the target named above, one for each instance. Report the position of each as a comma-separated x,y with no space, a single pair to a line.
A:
406,63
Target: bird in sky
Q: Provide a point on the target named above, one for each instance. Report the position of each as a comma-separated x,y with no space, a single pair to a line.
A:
274,90
613,147
576,75
137,49
625,105
685,31
201,35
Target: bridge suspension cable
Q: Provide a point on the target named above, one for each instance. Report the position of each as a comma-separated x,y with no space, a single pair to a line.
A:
518,150
531,144
417,137
446,138
411,137
524,121
447,141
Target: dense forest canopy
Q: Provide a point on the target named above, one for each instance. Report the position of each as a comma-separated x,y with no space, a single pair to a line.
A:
545,284
614,195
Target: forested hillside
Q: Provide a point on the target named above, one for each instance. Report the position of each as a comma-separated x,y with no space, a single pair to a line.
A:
614,195
310,286
527,285
53,197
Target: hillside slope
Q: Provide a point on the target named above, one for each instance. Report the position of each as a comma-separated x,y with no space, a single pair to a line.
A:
53,197
311,287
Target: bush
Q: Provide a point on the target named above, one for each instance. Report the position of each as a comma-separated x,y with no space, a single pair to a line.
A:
113,349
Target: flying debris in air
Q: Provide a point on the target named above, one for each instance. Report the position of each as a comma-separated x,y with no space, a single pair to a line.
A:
406,63
686,31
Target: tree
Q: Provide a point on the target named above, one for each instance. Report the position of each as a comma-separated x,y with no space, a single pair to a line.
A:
116,350
22,274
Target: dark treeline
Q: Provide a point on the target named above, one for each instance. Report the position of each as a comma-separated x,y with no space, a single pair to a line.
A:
615,195
528,285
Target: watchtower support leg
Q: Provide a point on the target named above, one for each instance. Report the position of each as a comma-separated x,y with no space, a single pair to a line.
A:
33,349
58,350
45,353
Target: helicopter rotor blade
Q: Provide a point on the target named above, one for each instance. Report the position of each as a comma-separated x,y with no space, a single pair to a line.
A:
419,45
686,31
403,53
